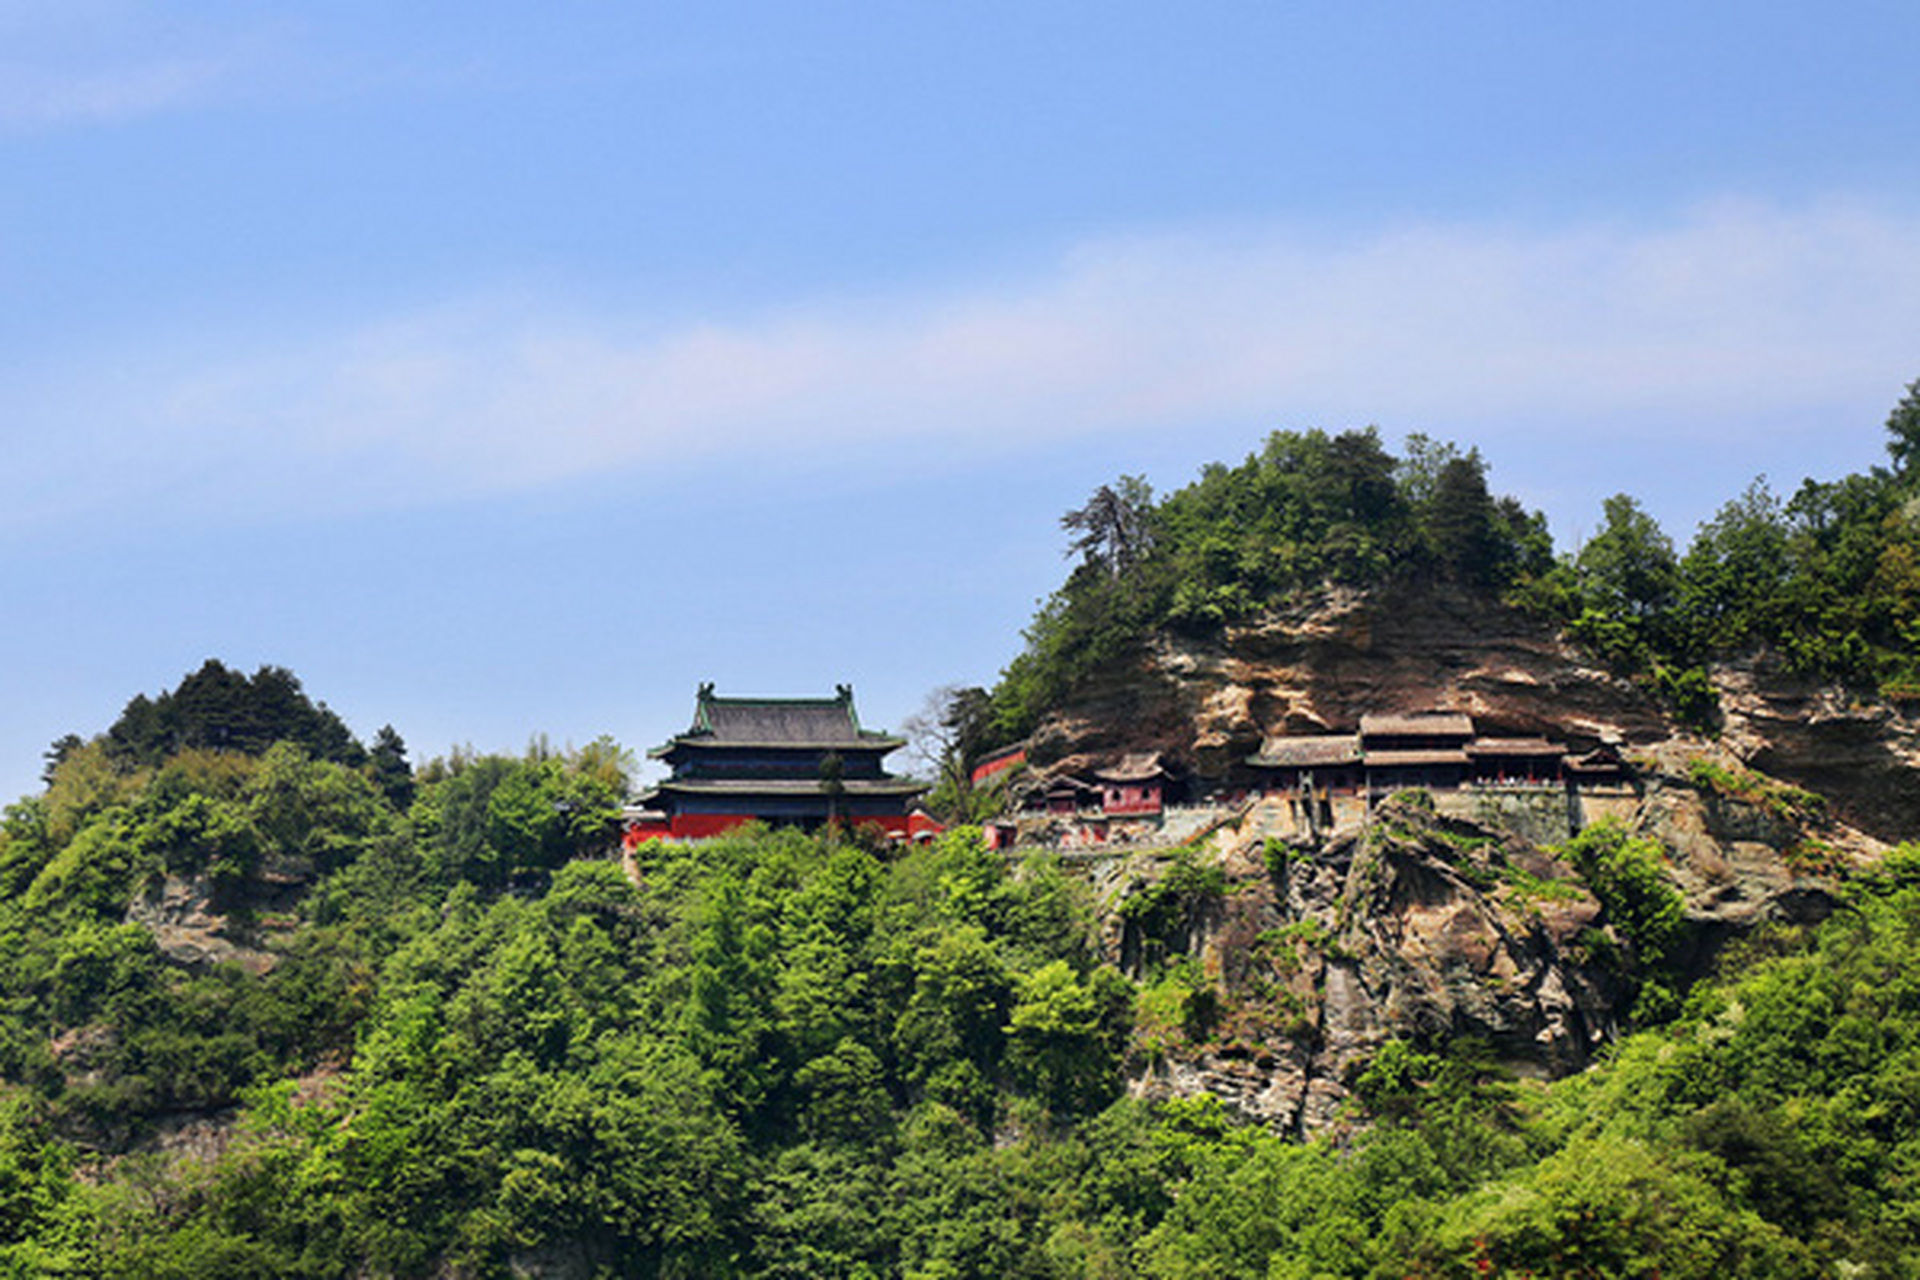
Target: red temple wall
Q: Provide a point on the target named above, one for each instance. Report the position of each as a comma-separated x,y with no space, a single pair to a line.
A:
702,826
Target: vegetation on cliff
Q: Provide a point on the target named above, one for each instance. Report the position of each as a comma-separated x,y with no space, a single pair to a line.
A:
1308,510
1829,579
780,1054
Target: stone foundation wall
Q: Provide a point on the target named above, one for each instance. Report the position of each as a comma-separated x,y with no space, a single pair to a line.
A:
1541,815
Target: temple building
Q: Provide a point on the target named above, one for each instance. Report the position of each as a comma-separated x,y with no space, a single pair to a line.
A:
1603,766
1065,795
1515,762
1139,786
1320,760
1432,749
800,762
1136,786
1424,749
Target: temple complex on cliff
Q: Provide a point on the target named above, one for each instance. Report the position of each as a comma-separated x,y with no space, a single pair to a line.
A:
801,762
1323,781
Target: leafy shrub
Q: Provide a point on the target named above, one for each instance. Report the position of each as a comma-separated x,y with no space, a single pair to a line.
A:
1628,875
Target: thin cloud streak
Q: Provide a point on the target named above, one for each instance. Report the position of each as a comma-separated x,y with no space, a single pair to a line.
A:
35,98
98,62
1732,312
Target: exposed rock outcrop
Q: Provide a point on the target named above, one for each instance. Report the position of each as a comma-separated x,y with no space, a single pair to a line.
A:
198,922
1427,928
1415,928
1433,926
190,930
1864,756
1322,662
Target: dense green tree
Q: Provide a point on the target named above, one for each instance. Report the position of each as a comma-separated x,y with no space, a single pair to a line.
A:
1462,523
387,760
1628,569
57,754
1735,575
1829,581
1417,470
1114,531
224,710
1067,1035
1903,430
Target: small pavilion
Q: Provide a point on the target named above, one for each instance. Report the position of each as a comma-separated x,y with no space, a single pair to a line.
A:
1135,786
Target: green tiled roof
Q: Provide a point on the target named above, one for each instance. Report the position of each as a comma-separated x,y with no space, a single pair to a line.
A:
823,723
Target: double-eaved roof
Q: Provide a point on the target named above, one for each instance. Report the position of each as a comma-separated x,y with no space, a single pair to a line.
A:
885,786
779,722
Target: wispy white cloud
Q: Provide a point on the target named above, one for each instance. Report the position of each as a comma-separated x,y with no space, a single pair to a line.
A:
95,62
33,97
1730,315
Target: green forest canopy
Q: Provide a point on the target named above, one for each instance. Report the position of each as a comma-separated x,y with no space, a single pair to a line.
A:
785,1055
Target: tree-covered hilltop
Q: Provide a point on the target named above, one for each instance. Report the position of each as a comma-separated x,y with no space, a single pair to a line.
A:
1828,579
219,709
177,932
1308,510
445,1029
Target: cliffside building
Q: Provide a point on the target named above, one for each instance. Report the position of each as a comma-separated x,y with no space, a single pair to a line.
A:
784,761
1135,787
1323,760
1437,750
1066,796
1427,749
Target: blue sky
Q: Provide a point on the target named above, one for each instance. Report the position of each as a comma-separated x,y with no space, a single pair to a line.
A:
507,369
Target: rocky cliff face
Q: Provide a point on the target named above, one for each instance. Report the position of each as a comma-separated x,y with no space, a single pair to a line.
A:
193,929
1415,928
1864,756
1323,662
1431,929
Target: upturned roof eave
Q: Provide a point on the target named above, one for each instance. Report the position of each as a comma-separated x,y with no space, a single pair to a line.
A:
868,741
